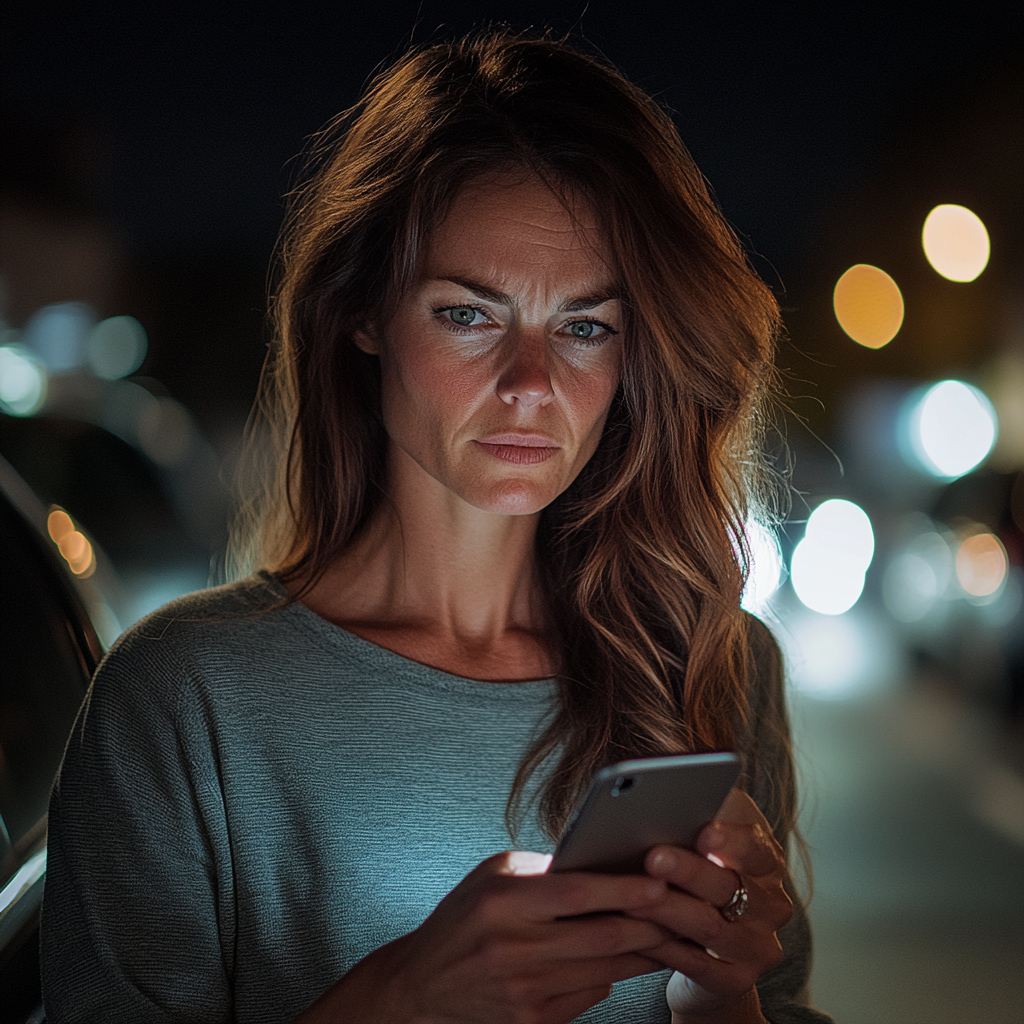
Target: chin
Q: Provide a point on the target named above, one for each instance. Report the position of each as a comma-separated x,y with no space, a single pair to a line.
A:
511,498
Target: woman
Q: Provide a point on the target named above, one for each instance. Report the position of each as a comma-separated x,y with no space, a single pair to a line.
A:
514,396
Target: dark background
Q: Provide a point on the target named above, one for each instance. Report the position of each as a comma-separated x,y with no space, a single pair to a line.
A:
145,153
165,136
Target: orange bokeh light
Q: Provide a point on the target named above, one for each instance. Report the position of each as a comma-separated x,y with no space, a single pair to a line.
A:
981,564
59,525
868,305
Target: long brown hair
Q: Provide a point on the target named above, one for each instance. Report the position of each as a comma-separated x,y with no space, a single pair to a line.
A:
643,557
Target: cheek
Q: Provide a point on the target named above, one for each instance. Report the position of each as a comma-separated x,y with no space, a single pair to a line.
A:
424,391
588,397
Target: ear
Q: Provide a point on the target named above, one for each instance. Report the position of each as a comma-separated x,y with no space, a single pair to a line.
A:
367,341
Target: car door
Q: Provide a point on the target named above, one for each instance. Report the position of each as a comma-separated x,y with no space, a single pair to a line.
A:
48,652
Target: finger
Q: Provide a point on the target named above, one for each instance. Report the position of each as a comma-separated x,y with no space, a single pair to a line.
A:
580,939
600,935
575,975
565,978
716,973
739,938
573,893
692,873
689,918
749,849
741,838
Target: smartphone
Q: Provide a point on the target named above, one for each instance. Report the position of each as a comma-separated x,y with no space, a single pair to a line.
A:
634,805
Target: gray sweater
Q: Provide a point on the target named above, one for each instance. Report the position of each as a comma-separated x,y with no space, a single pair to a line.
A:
251,801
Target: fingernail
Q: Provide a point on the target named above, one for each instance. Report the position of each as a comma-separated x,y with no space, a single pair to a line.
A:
662,862
523,862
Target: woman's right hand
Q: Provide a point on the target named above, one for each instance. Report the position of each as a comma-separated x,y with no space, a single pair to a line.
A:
505,946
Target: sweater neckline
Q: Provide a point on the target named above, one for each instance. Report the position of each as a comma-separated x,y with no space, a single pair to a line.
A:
336,636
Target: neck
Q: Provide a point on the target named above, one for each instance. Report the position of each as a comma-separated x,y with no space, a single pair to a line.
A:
442,582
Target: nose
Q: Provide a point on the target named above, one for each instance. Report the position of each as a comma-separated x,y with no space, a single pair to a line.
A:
526,376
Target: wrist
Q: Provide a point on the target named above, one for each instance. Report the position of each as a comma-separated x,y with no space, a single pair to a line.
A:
367,993
744,1010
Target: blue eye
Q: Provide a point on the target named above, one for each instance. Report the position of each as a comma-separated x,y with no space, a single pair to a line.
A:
462,315
590,330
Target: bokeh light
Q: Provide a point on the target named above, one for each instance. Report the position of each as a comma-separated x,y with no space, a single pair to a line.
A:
839,657
764,574
23,381
981,565
868,305
73,545
952,429
829,564
955,242
59,524
116,347
918,577
57,334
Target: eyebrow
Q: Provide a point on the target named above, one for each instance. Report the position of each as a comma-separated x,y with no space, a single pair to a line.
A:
502,299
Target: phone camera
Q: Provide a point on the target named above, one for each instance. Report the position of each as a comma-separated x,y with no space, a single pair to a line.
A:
623,784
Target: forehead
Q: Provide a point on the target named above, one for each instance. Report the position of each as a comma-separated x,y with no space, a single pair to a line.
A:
505,223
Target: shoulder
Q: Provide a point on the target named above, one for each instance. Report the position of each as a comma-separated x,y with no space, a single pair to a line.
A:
205,632
236,601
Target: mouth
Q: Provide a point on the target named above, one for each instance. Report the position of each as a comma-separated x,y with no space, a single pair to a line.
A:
520,449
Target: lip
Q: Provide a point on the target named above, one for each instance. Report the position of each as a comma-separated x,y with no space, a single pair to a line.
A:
520,440
520,449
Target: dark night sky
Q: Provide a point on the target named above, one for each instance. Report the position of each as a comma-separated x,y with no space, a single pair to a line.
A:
206,103
200,109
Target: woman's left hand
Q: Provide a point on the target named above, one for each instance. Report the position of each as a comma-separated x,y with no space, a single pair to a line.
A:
718,961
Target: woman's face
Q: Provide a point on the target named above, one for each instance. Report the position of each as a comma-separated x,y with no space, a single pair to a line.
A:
501,362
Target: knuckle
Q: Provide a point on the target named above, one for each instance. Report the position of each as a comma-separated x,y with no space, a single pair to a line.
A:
785,912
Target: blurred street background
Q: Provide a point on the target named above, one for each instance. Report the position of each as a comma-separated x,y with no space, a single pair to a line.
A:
872,161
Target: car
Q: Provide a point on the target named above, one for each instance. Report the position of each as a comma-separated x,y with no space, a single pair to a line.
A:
50,649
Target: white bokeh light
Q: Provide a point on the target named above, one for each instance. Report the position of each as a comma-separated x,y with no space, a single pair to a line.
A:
765,570
918,577
840,657
829,564
910,587
956,242
952,429
116,347
22,381
843,525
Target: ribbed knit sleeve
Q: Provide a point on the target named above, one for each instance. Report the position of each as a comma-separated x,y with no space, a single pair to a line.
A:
138,912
